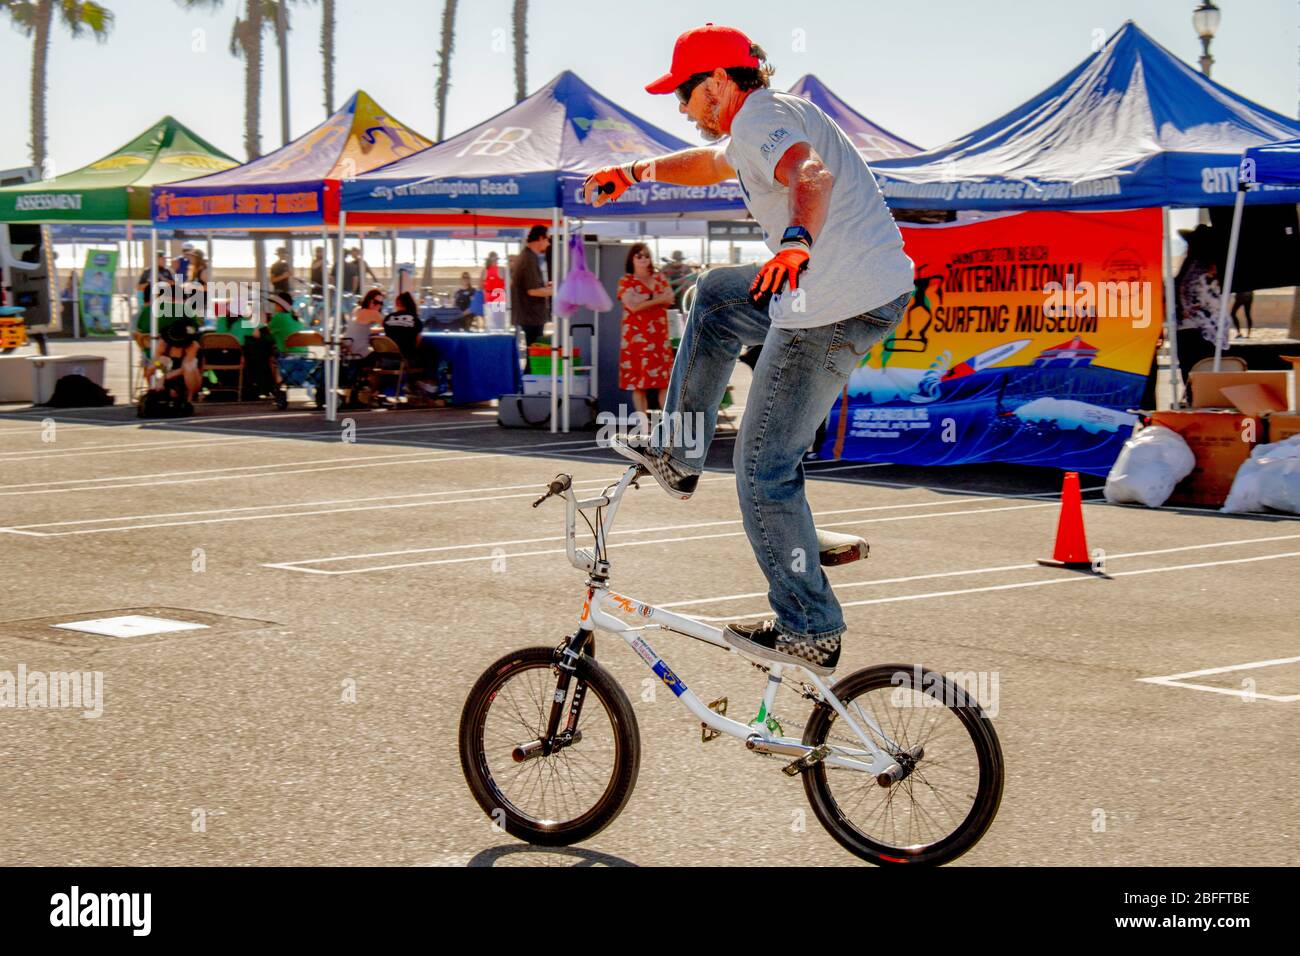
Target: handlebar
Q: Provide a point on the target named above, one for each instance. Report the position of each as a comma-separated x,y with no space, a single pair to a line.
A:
584,559
562,483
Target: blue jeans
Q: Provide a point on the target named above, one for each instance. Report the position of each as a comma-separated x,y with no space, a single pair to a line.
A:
799,375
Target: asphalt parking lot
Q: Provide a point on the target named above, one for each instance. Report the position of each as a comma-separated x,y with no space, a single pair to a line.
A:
351,592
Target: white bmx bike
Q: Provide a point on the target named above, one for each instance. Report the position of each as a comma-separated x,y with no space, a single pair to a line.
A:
899,763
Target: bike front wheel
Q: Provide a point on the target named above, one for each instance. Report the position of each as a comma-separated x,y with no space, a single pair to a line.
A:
539,793
952,788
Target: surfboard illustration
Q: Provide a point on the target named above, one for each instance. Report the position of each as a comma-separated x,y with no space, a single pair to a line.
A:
986,359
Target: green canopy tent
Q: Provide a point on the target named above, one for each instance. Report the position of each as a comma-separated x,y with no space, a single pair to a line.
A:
116,188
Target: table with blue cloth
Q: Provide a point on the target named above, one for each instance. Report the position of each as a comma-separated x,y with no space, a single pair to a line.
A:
434,316
484,365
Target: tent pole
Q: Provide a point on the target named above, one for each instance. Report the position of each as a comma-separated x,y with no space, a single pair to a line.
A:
76,302
566,339
324,306
1227,274
153,294
1171,332
323,311
555,350
332,398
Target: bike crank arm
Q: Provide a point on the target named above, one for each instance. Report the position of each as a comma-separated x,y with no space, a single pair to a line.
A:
808,756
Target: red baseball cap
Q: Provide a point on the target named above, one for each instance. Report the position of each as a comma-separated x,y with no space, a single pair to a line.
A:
704,50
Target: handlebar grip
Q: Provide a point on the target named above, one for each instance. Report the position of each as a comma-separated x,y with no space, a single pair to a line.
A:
606,188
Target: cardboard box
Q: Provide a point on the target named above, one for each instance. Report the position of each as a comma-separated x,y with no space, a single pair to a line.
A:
1221,440
1207,387
1281,426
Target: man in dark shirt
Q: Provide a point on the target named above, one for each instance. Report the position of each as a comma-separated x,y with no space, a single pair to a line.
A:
146,278
531,287
281,274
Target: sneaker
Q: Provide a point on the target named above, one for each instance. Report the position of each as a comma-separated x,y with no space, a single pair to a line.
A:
762,639
672,479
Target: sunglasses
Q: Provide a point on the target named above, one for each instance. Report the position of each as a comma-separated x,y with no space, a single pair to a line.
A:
687,89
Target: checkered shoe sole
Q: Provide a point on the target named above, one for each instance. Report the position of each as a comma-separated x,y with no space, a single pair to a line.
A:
679,484
819,655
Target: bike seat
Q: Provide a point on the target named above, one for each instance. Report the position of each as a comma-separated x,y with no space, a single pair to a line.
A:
834,548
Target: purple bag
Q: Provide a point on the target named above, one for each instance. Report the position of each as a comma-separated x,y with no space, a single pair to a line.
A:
580,289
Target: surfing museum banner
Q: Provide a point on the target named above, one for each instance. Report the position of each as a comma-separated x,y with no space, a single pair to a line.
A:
1027,340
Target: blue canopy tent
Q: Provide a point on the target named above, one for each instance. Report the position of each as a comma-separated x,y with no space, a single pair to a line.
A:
873,142
1132,126
1263,169
1277,164
530,161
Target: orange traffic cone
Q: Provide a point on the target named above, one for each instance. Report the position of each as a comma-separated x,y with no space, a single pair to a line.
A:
1071,542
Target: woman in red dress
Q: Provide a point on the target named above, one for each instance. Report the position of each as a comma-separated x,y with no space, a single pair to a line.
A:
645,358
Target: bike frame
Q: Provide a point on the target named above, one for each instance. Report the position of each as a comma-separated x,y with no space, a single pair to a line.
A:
631,619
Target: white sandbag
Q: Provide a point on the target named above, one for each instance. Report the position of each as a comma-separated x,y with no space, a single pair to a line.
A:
1270,478
1244,496
1151,463
1288,448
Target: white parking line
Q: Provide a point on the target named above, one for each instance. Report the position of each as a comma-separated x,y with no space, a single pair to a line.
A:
371,461
228,517
363,436
934,595
676,539
841,586
1178,680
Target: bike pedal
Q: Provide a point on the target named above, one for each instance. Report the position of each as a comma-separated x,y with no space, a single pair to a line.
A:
810,759
707,733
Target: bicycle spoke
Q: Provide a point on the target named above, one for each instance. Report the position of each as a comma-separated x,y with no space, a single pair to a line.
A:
563,785
934,799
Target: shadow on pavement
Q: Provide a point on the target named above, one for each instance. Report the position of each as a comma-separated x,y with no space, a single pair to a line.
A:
522,854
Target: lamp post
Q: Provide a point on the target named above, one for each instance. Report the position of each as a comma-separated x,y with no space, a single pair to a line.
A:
1205,18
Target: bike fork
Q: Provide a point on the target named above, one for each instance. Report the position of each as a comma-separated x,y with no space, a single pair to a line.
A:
566,664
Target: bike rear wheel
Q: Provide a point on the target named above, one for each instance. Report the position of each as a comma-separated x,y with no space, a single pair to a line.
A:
945,804
556,798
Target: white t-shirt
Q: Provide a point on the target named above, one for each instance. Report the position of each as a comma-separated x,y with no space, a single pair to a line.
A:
357,334
858,263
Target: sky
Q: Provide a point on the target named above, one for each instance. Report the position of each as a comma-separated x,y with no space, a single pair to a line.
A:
927,70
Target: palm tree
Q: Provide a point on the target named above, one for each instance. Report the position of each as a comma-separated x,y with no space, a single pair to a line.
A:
444,61
521,49
34,18
327,53
245,41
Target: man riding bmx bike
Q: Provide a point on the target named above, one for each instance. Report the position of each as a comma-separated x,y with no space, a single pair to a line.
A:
838,282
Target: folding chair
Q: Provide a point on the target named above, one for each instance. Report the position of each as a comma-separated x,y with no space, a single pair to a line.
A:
389,364
220,352
1227,363
304,370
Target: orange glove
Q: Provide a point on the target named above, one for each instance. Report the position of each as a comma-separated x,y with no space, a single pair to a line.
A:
607,184
781,269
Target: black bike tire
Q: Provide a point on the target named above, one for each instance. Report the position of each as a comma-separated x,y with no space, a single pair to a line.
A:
989,750
627,760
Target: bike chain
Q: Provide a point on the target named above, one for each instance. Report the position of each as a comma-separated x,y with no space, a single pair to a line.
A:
807,692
